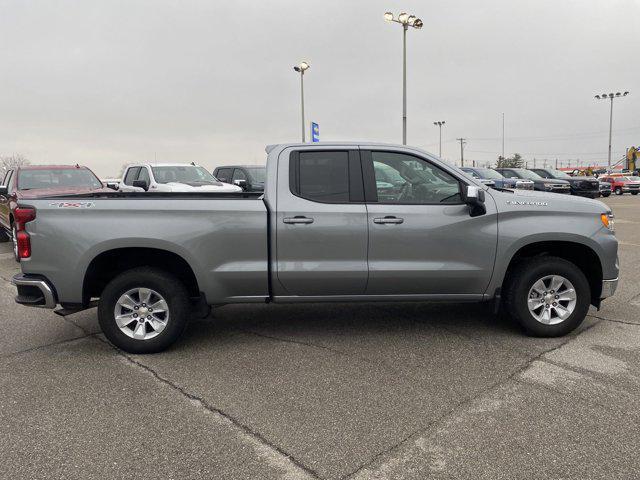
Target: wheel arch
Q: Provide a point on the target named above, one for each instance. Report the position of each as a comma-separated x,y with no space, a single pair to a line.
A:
581,255
110,263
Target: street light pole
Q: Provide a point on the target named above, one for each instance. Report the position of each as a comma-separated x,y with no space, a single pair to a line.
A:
610,96
301,68
462,142
406,21
440,124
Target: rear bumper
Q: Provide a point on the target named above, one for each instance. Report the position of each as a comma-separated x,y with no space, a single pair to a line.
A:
34,291
609,288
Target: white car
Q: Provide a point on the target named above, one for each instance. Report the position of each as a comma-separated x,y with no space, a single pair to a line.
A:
171,177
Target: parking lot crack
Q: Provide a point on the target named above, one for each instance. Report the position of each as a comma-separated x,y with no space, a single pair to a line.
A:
615,321
459,406
303,471
47,345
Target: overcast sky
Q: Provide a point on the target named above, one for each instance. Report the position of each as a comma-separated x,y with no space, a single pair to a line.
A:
109,82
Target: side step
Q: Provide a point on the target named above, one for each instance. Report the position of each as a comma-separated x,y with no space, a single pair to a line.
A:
71,309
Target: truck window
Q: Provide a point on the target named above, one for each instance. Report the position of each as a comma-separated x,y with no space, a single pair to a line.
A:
416,181
238,174
224,175
321,176
144,175
7,179
131,175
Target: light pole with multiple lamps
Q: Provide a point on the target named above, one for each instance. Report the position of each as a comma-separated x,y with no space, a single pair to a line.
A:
440,124
610,96
406,21
301,68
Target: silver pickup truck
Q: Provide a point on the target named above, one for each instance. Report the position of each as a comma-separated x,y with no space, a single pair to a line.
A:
336,223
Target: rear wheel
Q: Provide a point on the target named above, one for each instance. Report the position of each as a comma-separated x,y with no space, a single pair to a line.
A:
548,296
606,194
143,310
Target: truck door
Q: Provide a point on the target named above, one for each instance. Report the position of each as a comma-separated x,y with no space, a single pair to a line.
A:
422,240
321,223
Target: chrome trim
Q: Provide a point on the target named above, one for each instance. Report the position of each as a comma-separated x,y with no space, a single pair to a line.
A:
42,285
609,288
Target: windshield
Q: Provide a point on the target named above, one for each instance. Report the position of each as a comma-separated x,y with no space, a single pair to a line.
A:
527,174
634,179
559,174
259,174
58,178
189,174
489,173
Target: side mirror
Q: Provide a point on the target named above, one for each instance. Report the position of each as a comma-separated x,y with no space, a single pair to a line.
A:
240,183
141,184
474,197
113,185
4,190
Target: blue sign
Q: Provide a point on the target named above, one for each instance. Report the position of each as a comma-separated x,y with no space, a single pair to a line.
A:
315,132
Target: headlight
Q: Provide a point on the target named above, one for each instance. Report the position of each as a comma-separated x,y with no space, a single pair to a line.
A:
607,220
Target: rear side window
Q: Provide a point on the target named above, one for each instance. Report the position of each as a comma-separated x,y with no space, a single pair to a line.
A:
131,175
321,176
224,175
238,174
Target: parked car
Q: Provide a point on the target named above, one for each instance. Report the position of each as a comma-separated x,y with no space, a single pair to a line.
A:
248,177
605,188
499,180
583,186
622,184
539,183
320,232
23,183
171,177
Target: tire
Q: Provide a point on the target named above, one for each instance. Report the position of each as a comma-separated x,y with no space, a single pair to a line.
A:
634,193
618,191
164,286
607,194
520,282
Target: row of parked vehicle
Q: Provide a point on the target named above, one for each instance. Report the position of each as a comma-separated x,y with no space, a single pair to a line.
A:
556,181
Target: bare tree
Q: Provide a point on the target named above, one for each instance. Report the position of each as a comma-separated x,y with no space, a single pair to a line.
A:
8,162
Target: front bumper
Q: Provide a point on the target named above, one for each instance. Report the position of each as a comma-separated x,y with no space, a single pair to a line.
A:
34,291
608,288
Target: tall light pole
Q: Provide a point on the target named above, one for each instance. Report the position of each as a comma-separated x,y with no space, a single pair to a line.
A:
462,142
610,96
302,67
440,124
406,21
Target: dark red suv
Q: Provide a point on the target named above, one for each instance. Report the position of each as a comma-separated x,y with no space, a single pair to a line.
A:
22,183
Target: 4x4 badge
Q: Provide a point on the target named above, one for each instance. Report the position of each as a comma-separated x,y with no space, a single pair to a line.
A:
525,202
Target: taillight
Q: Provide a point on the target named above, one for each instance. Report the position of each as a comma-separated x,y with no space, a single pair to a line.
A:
24,244
22,216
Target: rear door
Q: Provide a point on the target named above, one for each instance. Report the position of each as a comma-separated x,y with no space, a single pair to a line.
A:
422,240
321,223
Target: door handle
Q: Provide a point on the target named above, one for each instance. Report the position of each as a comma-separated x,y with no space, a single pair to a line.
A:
388,219
297,219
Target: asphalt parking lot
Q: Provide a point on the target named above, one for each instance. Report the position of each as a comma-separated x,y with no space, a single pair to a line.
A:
327,391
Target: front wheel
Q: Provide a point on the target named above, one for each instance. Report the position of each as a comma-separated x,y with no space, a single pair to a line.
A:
606,194
618,191
143,310
548,296
634,193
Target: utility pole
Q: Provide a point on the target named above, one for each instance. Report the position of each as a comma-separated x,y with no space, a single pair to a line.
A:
534,163
462,142
502,134
556,163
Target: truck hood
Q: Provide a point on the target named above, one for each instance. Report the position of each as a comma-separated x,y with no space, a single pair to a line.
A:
553,202
221,187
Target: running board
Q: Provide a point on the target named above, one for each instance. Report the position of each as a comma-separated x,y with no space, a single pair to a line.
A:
71,309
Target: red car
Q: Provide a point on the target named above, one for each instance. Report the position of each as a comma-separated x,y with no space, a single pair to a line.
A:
22,183
622,184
